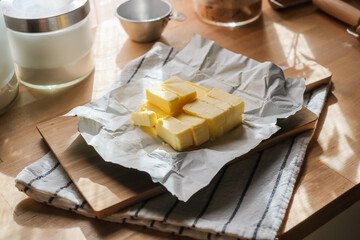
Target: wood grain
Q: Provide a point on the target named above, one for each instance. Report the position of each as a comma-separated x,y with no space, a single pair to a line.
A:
340,10
107,187
314,74
329,180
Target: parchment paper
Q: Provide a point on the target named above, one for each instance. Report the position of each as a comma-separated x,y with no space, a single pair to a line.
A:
105,124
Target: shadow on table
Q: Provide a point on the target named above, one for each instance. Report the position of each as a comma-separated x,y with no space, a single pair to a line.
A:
32,214
131,50
320,204
20,142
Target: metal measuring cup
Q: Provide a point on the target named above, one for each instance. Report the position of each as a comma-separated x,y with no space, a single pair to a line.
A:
145,20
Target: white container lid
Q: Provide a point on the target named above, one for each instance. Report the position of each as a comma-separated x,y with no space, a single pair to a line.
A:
35,16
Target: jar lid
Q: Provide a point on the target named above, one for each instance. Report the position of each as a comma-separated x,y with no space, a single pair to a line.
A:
36,16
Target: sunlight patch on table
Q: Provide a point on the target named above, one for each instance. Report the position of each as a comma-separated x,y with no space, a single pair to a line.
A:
109,39
294,46
333,143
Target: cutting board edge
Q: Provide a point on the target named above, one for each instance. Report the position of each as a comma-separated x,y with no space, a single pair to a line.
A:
308,126
277,139
156,191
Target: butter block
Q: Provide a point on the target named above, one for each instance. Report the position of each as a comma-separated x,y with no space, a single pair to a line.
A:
177,134
149,107
236,103
215,118
227,97
199,128
166,100
224,106
217,103
178,86
200,91
185,114
144,118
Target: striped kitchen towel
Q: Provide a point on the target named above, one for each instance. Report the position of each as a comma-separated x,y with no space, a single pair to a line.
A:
246,200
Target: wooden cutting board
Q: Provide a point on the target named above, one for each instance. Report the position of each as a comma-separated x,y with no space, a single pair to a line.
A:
108,187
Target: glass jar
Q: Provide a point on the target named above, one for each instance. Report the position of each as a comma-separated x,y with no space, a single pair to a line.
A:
50,41
228,13
9,87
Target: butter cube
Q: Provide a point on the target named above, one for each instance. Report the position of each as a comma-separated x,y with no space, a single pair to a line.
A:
177,134
200,91
199,128
145,118
224,106
215,118
217,103
149,107
167,101
236,103
178,86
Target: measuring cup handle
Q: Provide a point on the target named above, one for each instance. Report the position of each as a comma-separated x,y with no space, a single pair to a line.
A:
177,16
354,31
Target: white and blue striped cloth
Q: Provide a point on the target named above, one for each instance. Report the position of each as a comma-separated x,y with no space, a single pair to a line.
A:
246,200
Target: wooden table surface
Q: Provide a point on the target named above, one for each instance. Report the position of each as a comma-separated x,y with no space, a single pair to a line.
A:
329,181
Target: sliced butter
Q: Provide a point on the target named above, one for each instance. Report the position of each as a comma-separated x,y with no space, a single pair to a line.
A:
178,86
167,101
177,134
144,118
217,103
200,91
214,117
199,128
149,107
225,107
236,103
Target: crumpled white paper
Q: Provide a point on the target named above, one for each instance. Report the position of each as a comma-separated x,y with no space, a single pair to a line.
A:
105,124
